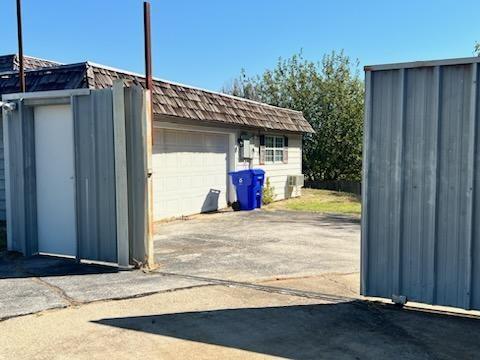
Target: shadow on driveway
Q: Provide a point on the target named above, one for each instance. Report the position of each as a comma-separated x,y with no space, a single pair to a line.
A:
352,330
14,266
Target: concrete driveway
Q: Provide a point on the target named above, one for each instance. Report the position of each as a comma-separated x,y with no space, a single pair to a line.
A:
228,322
255,247
259,245
30,285
233,285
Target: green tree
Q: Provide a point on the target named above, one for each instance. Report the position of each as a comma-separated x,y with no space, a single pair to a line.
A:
476,48
330,95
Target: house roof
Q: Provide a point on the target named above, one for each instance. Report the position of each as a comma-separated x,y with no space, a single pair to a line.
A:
55,78
170,99
12,63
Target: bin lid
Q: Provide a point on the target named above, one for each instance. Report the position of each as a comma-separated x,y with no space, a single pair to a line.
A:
258,171
240,173
242,177
250,173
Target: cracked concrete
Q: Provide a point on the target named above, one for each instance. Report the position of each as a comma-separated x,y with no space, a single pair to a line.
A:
120,285
259,245
230,322
41,283
223,291
26,296
241,247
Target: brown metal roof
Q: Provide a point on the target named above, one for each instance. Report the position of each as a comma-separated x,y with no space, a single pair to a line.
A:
54,78
169,98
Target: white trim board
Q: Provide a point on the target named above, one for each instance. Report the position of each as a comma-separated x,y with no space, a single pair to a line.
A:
46,94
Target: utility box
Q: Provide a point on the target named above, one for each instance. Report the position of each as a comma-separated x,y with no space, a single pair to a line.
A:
246,149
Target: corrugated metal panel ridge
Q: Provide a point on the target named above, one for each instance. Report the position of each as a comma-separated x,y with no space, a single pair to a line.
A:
95,176
421,224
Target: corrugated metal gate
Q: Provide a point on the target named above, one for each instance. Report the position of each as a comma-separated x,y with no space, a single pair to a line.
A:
421,186
108,125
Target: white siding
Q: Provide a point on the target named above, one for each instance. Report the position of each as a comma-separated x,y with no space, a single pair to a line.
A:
278,172
190,150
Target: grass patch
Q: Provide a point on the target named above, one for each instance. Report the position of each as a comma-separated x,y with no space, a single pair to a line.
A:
321,201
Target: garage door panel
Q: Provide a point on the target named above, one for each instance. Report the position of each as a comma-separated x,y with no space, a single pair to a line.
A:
190,172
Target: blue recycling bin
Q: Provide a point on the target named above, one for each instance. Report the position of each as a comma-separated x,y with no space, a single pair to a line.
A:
249,186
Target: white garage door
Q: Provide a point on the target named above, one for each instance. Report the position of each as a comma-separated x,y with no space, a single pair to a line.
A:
190,172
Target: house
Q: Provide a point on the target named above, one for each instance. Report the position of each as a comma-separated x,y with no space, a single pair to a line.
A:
198,135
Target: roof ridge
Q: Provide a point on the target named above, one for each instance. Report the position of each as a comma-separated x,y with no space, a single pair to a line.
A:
127,72
36,58
106,67
217,107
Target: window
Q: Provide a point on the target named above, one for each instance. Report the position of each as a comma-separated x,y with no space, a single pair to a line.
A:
274,148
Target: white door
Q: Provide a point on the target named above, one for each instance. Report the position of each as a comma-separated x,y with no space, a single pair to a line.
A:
190,172
55,170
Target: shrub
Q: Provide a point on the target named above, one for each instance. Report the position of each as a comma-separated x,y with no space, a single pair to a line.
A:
268,195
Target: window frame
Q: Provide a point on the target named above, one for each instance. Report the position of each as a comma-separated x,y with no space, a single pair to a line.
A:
274,149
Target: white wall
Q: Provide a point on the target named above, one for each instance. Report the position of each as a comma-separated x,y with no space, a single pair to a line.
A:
278,172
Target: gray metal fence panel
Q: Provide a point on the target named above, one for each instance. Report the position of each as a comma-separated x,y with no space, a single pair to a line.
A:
106,145
121,183
20,138
2,173
136,133
29,181
421,222
95,174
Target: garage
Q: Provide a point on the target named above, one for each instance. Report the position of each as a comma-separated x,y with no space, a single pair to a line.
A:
189,172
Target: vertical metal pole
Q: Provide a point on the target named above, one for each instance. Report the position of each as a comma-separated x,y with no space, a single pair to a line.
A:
21,75
149,145
148,46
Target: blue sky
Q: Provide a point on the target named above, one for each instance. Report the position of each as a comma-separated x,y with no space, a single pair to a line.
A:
206,42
